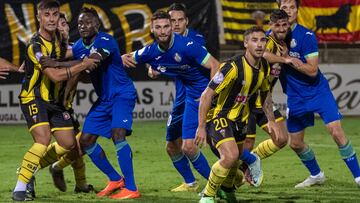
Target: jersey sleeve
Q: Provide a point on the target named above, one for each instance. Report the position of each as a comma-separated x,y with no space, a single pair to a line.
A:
223,77
143,55
197,52
104,46
270,45
309,45
35,52
266,84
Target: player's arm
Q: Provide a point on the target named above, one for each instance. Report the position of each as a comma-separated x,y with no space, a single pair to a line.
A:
6,66
204,107
309,68
71,85
65,73
46,61
225,75
284,58
212,64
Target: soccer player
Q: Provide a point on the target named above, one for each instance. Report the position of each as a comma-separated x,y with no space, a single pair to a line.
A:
41,96
75,156
179,22
279,26
224,109
111,115
308,92
176,56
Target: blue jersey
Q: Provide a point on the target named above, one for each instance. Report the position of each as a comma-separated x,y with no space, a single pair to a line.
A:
110,79
294,83
182,60
179,87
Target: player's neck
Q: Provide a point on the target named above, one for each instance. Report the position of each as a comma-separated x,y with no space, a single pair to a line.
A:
251,60
46,35
166,45
89,40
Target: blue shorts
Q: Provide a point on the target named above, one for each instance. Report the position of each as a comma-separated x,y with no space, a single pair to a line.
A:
300,112
106,115
183,121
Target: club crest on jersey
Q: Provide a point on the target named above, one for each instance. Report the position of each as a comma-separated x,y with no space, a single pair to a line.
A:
66,116
161,69
38,55
34,117
218,78
293,43
222,132
177,57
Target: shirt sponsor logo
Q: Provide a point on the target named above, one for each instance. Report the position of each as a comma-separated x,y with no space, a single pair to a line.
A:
161,69
241,98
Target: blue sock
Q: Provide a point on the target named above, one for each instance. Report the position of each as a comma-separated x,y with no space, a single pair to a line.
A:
124,156
200,164
247,157
308,158
182,165
349,156
98,157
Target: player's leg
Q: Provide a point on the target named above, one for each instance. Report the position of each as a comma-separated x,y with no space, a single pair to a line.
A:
36,117
296,124
98,123
272,145
190,149
121,127
229,155
331,117
174,147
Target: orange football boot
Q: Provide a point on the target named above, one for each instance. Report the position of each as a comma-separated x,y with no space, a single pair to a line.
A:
111,187
126,194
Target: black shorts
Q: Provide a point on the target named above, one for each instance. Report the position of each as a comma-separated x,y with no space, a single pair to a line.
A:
258,117
39,112
75,121
220,130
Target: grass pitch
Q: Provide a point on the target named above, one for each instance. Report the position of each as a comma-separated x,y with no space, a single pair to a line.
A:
155,175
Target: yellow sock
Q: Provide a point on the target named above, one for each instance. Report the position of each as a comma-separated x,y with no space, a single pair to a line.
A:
79,171
216,178
266,149
31,162
50,156
230,178
67,159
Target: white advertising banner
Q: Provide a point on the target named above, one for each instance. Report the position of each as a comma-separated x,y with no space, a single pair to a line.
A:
155,98
344,82
154,102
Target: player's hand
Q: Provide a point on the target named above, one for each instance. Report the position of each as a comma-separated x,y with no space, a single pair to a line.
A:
128,61
283,49
200,138
273,129
295,62
153,74
4,72
46,61
90,63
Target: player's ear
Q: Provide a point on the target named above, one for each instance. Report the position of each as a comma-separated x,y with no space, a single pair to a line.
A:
187,21
151,29
38,16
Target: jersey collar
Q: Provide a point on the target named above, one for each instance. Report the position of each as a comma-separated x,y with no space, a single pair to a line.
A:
293,26
186,32
170,45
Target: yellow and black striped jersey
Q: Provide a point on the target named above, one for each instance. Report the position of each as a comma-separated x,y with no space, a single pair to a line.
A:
274,47
234,83
35,83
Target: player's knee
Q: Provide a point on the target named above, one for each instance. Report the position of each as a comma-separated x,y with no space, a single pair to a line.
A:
281,141
86,141
118,134
228,159
297,146
189,149
172,149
